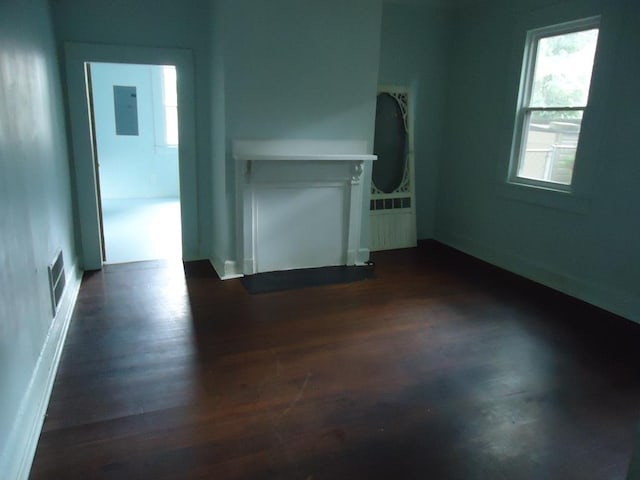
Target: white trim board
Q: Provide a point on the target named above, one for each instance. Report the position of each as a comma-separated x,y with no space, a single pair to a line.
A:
362,257
226,269
22,442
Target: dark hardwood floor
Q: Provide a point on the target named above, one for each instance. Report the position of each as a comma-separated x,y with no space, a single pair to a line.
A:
441,367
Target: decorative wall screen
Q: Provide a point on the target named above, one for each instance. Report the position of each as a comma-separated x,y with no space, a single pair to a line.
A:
392,185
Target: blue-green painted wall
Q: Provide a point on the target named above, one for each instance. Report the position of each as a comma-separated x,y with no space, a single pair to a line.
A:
301,70
414,54
35,198
634,465
223,226
585,245
133,166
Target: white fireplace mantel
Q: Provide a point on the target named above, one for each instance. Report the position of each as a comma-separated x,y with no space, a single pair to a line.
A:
299,203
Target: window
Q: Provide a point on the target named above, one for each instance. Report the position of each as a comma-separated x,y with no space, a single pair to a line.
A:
554,93
170,100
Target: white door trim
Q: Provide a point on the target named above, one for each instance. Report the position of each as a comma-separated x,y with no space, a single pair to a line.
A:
76,55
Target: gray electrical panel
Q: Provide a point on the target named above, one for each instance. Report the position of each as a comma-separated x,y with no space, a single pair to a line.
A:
126,108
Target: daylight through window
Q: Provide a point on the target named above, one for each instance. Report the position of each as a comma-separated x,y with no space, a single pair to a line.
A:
556,80
170,96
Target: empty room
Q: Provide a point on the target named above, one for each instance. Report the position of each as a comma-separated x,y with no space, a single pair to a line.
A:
403,239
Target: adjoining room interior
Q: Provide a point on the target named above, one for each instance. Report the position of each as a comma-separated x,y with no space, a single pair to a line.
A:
141,229
501,344
135,120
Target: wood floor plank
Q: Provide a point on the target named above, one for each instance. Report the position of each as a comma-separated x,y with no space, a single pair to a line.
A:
441,367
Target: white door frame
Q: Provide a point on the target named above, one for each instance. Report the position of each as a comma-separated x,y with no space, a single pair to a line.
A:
88,222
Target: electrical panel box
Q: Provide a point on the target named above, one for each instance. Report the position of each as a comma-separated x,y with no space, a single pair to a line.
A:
126,109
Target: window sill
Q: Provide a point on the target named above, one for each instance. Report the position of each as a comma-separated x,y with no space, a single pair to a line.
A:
544,197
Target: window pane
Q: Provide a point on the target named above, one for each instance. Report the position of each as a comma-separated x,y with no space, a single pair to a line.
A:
551,138
171,122
169,85
563,69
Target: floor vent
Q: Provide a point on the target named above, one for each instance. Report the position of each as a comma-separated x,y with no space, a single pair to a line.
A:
56,281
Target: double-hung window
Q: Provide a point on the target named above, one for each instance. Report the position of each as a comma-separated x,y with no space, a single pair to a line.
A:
554,93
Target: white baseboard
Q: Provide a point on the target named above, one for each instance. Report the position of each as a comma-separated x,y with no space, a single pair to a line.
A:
622,303
25,433
226,269
363,256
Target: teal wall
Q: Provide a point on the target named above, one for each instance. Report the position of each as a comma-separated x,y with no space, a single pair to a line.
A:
133,166
160,24
301,70
222,246
634,465
35,199
585,245
294,70
414,54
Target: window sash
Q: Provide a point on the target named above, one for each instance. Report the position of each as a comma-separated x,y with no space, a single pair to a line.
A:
553,109
525,111
553,152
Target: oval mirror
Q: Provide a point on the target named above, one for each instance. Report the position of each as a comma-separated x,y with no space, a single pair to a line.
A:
389,144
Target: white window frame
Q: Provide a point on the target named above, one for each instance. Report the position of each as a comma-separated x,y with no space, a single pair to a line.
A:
524,99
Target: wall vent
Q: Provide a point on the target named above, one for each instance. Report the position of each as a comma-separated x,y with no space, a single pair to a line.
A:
56,281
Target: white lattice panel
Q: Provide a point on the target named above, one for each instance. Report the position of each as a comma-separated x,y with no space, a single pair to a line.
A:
396,229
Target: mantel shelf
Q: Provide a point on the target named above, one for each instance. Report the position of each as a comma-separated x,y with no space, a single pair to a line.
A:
301,150
305,157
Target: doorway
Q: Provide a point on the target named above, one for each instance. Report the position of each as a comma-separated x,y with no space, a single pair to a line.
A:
134,116
86,188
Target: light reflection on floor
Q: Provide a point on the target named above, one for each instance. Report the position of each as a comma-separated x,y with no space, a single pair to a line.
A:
142,229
